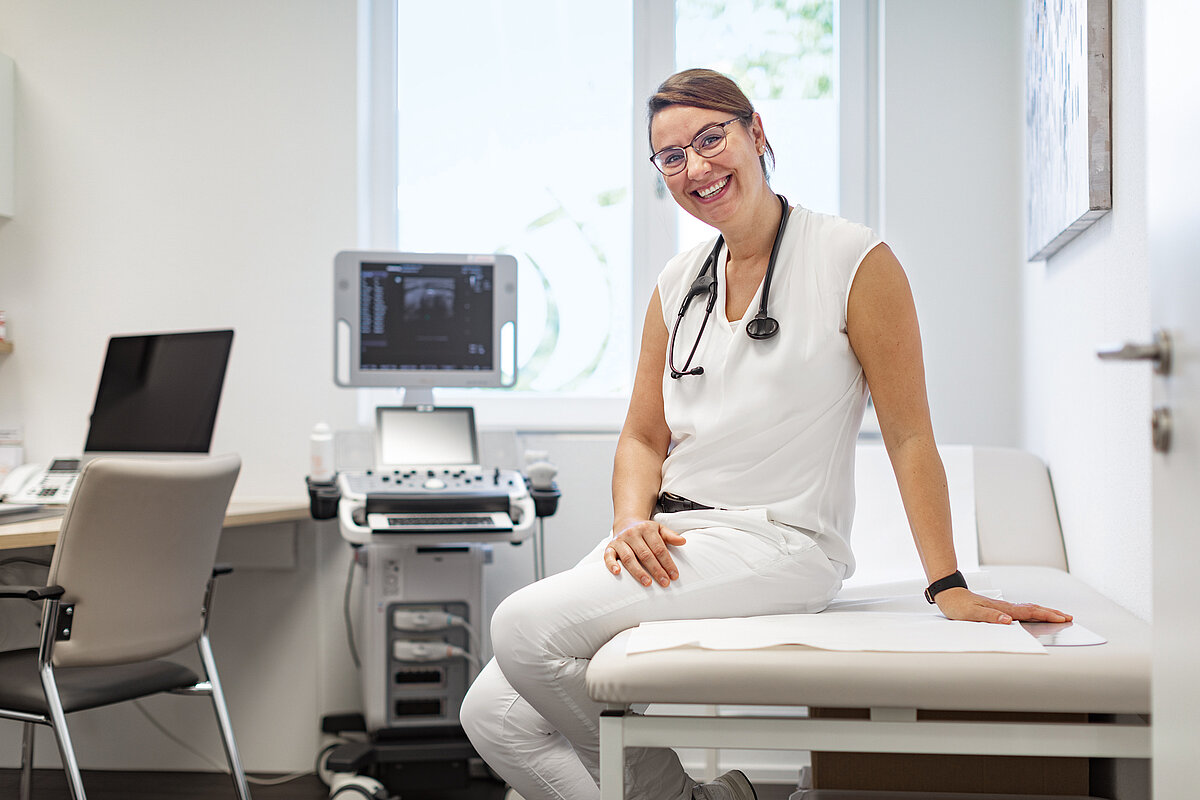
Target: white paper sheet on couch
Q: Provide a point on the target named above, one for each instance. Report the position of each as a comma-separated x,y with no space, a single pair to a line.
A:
906,632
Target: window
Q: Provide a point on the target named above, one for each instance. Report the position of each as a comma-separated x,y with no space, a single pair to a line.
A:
520,128
510,141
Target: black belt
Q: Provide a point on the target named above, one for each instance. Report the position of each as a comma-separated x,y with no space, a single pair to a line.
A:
669,503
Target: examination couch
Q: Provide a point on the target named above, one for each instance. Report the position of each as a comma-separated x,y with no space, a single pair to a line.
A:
1071,702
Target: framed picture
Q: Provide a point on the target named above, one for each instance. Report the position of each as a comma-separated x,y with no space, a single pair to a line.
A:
1068,121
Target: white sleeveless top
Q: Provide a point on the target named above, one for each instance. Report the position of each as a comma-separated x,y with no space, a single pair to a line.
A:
772,424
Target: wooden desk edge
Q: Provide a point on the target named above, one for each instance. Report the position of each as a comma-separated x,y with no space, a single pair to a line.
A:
244,513
240,514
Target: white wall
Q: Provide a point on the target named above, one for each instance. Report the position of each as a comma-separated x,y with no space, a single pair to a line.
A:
951,192
1090,420
1010,346
179,165
186,165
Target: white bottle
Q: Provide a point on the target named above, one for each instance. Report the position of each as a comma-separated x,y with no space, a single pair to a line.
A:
321,468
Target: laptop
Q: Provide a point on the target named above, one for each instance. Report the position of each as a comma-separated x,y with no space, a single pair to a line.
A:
158,396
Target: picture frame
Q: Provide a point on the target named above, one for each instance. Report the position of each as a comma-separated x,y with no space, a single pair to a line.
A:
1068,120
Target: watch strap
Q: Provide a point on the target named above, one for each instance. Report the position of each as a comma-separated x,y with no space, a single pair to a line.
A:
952,581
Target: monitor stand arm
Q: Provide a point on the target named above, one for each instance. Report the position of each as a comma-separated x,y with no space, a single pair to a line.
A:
418,395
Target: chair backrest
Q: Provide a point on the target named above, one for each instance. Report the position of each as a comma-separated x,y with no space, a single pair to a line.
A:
135,555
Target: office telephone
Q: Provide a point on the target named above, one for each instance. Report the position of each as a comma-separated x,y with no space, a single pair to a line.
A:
33,484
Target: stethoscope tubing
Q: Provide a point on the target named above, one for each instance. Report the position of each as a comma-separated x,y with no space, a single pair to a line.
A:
762,326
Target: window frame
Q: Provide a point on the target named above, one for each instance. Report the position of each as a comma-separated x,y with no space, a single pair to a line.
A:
653,224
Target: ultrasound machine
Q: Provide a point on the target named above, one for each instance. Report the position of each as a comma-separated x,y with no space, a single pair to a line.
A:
422,520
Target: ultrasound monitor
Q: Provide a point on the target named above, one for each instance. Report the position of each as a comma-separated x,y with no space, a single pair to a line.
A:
159,393
419,321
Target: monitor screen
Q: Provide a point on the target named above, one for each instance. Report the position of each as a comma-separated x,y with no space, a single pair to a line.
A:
159,393
408,319
409,436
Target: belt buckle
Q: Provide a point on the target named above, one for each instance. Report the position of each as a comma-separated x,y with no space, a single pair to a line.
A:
670,503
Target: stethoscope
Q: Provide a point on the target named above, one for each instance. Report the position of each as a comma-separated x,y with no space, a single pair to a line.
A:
763,326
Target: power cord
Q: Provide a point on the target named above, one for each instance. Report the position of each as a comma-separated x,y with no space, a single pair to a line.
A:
346,615
211,761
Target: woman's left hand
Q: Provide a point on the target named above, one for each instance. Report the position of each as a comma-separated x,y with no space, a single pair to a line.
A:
963,604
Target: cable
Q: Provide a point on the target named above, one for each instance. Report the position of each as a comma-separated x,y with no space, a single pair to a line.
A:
322,771
163,730
282,779
473,638
211,761
346,609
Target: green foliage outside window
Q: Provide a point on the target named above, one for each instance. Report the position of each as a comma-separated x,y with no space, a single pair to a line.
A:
772,48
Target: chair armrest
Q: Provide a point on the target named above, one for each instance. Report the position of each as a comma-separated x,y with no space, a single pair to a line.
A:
32,592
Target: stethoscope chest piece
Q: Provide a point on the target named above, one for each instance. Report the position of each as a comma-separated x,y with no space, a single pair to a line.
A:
762,327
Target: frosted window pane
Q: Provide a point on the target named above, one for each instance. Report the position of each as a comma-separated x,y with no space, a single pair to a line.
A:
514,136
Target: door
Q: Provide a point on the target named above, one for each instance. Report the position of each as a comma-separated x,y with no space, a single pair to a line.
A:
1173,178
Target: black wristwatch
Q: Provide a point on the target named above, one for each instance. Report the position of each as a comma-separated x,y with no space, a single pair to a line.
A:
951,581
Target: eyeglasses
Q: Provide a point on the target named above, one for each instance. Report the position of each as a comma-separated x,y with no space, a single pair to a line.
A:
708,143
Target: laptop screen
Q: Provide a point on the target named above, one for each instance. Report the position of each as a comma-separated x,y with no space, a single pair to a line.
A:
159,393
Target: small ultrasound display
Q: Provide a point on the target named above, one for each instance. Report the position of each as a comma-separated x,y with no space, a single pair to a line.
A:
426,316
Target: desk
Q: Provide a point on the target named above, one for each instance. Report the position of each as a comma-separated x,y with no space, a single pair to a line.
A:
240,514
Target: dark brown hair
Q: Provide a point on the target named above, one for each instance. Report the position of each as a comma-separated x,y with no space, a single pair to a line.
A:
704,88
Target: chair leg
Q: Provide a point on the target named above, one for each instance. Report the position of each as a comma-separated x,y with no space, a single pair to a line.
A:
58,723
27,734
223,722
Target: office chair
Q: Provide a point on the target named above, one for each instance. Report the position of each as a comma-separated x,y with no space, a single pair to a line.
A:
130,582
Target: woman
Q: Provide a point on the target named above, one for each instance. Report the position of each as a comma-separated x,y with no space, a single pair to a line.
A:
733,480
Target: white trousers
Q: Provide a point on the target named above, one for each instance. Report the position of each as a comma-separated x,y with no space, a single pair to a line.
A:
528,713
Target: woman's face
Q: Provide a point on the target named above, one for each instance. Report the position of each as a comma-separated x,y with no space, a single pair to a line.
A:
717,190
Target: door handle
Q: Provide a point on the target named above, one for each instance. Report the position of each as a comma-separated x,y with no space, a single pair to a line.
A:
1159,351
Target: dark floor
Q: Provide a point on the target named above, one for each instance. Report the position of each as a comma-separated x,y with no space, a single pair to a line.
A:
103,785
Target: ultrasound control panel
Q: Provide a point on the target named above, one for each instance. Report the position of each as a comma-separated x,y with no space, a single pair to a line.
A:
449,481
425,503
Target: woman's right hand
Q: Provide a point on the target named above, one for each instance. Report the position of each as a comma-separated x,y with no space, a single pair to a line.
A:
641,545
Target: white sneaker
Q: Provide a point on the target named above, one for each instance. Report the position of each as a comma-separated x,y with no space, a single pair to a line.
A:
733,785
